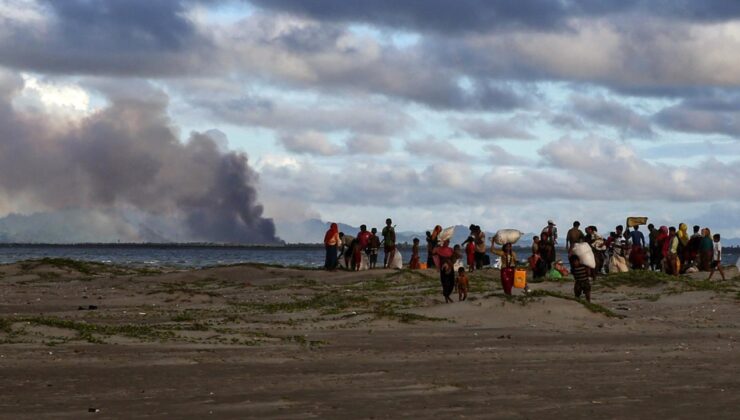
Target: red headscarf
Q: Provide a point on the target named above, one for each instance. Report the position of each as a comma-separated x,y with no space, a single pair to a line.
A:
331,233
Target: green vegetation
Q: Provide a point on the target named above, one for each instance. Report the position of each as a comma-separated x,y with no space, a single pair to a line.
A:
326,303
89,331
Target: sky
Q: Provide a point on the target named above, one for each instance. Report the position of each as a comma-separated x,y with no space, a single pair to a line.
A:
504,114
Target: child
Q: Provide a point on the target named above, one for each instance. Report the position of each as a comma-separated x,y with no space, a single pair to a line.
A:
583,277
462,284
374,247
414,262
717,258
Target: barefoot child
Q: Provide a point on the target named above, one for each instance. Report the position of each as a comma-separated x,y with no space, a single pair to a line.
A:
716,258
583,276
462,284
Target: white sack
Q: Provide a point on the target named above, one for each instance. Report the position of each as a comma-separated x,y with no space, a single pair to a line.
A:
505,236
585,254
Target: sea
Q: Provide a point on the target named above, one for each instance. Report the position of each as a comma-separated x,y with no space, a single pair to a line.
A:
196,256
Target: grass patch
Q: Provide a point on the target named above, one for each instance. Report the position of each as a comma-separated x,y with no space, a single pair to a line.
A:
88,331
83,267
326,303
635,278
6,325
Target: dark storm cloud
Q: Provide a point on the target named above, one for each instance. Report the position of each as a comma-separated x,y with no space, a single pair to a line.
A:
120,37
128,154
487,16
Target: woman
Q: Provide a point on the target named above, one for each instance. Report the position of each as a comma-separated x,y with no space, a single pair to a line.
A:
331,242
508,264
433,242
447,258
547,250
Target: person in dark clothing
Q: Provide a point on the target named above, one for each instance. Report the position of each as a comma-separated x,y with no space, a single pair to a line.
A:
583,276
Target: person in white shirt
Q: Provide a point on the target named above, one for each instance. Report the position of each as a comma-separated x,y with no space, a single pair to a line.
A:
717,258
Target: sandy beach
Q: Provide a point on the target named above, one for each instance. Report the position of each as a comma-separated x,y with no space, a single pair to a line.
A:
83,340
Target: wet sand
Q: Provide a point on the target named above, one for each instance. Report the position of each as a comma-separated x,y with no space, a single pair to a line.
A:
258,341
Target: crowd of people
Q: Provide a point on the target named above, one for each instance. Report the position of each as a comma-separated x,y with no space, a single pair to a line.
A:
668,249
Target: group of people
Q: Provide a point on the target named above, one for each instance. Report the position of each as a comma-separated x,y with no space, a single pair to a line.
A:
351,249
667,249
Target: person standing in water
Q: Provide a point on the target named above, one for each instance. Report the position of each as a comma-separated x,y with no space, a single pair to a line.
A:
389,242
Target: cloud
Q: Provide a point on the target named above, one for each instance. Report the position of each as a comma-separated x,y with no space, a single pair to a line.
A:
128,154
122,37
486,16
499,156
368,118
613,114
438,149
309,143
367,145
610,170
691,150
712,113
491,130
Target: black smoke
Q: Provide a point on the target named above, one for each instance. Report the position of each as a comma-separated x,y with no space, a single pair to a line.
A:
128,155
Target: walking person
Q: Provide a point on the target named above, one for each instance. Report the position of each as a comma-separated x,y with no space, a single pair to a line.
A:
508,264
446,256
717,258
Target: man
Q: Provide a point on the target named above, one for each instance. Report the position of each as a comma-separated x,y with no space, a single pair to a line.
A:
551,231
654,248
637,253
573,236
389,242
363,237
346,251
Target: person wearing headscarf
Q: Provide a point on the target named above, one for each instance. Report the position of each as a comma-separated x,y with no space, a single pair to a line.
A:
683,245
447,258
331,242
508,265
670,250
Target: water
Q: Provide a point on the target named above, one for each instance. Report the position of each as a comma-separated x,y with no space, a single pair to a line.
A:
193,256
168,256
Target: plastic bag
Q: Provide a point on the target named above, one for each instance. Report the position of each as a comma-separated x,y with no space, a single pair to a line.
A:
397,262
510,236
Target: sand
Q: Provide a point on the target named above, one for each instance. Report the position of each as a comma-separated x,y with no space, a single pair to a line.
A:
257,341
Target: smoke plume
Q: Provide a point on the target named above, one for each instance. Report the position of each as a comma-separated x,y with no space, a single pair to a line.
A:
128,155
